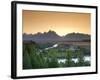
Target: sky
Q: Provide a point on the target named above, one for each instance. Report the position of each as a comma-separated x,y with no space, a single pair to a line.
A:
60,22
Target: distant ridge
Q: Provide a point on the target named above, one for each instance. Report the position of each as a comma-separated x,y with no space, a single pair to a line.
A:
52,36
77,37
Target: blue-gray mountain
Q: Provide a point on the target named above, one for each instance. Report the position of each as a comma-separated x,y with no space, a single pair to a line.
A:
52,36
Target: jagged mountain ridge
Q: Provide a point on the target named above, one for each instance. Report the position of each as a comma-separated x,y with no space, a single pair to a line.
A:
51,36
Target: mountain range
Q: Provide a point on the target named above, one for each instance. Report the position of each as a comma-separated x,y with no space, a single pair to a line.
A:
52,36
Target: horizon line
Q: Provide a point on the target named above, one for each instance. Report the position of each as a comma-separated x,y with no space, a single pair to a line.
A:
56,33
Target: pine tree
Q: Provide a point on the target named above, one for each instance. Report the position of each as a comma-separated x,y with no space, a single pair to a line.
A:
26,59
69,56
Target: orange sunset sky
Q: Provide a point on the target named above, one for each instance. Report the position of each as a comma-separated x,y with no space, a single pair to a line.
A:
60,22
